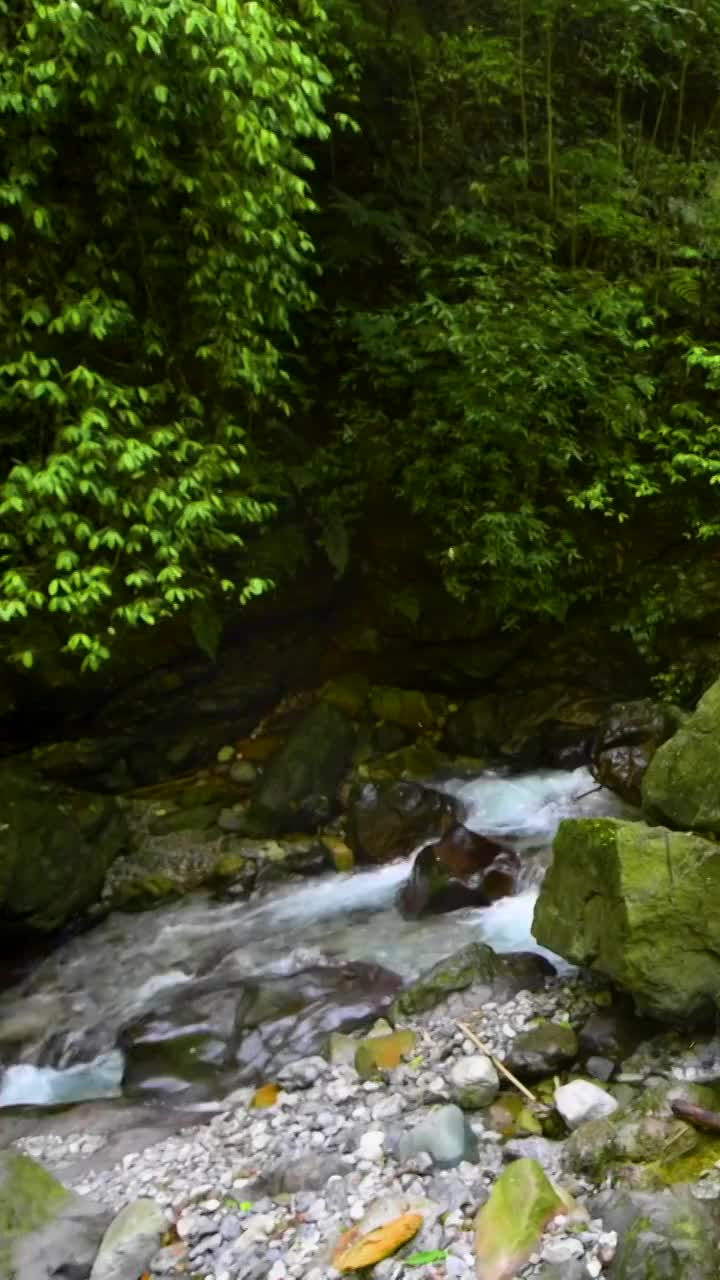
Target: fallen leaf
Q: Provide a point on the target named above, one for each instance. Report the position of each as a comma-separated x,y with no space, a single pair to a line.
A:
265,1096
378,1244
383,1053
510,1223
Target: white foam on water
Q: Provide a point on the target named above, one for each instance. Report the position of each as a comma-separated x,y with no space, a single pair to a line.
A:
25,1085
109,975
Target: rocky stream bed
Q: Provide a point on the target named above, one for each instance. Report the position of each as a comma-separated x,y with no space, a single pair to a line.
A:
333,1017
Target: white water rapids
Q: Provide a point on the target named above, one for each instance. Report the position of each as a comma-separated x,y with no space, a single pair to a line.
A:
98,981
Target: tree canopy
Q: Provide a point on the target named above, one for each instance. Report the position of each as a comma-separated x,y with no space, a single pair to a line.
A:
271,269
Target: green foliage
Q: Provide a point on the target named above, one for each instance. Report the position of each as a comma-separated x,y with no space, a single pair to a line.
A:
277,277
536,376
154,252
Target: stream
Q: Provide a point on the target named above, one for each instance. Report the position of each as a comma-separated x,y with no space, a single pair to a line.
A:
76,999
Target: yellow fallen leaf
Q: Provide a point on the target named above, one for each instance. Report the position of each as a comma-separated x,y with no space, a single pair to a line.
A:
377,1244
265,1096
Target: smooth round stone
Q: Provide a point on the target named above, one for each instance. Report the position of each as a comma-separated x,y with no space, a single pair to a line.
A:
446,1136
474,1082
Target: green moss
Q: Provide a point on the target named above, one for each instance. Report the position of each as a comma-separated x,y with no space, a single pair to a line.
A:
686,1168
29,1198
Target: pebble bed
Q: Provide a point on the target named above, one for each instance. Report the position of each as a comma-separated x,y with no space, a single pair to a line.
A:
266,1194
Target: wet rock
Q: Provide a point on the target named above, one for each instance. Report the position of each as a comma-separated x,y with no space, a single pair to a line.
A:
130,1242
389,820
55,848
581,1100
626,741
45,1231
626,899
543,1050
474,1082
474,963
298,791
680,785
432,889
668,1234
445,1135
221,1032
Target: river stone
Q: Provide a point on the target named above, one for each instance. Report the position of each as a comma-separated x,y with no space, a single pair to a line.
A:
432,889
543,1050
681,783
666,1234
46,1232
221,1032
130,1242
445,1135
473,963
298,791
474,1082
581,1100
627,738
387,820
642,906
56,846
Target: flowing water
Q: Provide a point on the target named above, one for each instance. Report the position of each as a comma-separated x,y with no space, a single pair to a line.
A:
95,983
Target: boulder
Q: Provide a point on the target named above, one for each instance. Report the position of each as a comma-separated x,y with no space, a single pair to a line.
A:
543,1050
680,786
475,964
627,738
640,905
431,888
298,791
669,1234
388,820
130,1242
218,1033
46,1232
463,869
56,846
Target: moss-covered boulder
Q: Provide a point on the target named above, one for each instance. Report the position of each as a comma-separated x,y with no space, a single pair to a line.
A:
45,1230
667,1234
681,782
474,965
298,791
55,847
640,905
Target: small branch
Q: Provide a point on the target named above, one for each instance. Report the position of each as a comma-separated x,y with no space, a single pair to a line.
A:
697,1116
591,792
462,1026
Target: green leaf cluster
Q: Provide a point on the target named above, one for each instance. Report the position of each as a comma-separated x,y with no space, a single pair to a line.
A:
154,193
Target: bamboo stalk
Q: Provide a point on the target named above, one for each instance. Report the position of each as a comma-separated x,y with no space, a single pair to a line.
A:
499,1066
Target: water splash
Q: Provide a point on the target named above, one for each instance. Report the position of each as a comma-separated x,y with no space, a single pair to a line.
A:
109,975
